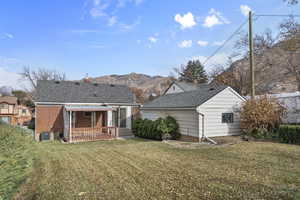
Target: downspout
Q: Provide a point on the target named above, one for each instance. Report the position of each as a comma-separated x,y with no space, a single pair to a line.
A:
202,115
203,135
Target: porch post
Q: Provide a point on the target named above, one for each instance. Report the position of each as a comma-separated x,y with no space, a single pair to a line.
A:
109,118
70,131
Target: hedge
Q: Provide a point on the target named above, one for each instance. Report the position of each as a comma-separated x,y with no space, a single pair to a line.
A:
289,134
162,128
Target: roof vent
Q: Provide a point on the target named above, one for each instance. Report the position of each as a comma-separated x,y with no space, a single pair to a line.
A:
95,84
57,82
211,89
112,85
77,83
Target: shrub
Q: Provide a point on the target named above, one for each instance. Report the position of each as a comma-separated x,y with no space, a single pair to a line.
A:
261,116
169,126
289,134
162,128
146,129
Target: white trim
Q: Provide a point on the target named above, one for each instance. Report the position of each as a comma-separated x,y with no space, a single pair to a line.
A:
60,103
161,108
237,94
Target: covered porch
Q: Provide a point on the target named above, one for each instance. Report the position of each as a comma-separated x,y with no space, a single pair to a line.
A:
89,123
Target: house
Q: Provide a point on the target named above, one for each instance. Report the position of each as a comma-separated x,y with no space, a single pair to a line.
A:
12,113
201,110
182,86
8,109
83,111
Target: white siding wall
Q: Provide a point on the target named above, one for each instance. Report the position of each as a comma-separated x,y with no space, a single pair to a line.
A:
187,119
174,89
226,101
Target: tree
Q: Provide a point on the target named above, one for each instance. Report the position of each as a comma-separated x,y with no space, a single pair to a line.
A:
291,2
23,98
41,74
5,91
192,72
290,45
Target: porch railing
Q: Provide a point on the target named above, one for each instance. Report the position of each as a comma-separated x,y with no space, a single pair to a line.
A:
91,134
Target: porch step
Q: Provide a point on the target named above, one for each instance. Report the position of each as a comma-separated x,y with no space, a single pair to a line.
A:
125,132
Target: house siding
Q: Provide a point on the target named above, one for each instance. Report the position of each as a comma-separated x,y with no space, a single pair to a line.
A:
174,89
49,118
226,101
187,119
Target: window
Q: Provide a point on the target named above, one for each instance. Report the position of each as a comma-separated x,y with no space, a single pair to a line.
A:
87,114
4,105
24,111
123,117
115,118
227,117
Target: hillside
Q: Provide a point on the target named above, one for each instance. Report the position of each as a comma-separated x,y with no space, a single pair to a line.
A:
142,84
276,71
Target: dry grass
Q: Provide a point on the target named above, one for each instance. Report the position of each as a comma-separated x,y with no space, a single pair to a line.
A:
143,169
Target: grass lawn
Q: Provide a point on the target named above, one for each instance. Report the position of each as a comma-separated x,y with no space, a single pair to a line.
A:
142,169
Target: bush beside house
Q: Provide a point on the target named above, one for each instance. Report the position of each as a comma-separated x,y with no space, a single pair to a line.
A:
289,134
160,129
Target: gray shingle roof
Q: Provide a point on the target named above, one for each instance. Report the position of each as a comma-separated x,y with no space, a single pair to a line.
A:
185,99
189,86
81,92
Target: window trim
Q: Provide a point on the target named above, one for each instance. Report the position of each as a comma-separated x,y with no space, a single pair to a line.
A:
224,119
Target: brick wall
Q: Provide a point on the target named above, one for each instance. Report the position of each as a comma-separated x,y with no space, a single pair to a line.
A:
49,118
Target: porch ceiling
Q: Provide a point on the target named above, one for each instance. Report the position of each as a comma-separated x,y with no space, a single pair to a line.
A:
87,108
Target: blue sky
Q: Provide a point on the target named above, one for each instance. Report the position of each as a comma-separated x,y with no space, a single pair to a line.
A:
102,37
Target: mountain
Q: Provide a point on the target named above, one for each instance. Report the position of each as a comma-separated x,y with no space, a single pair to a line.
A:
276,71
143,85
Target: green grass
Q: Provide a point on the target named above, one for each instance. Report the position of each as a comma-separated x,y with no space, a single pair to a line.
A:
143,169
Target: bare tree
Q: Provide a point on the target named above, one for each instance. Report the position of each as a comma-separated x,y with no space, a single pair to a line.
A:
5,91
290,46
41,74
291,2
261,42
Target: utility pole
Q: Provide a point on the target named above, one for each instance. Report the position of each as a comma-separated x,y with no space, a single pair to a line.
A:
251,56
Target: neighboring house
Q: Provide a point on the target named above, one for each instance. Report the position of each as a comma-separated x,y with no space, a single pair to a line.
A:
181,86
83,111
205,111
11,112
291,101
8,109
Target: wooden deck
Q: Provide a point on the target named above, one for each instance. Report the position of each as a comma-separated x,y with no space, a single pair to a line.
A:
93,134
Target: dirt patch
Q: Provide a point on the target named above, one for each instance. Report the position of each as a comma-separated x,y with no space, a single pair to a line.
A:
221,142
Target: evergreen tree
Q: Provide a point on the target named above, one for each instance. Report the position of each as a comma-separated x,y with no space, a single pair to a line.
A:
193,72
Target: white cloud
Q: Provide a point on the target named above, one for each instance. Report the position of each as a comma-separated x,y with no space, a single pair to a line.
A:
12,79
128,27
218,43
245,10
185,44
112,21
122,3
215,18
218,59
202,43
152,39
6,36
186,21
98,10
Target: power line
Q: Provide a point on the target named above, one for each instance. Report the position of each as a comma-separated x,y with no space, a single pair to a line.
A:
271,15
240,27
226,41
